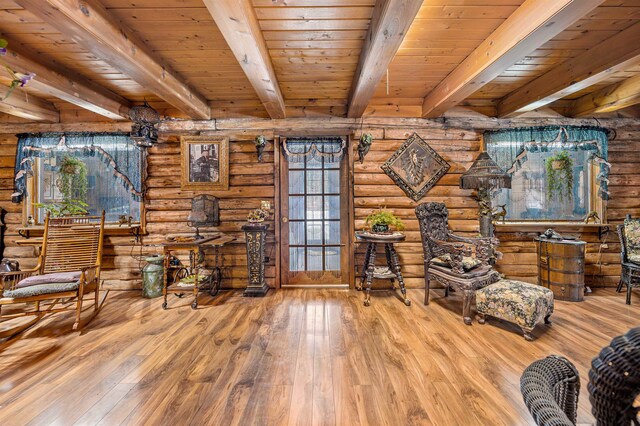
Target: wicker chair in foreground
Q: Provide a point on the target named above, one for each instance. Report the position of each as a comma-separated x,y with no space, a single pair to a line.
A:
550,386
68,268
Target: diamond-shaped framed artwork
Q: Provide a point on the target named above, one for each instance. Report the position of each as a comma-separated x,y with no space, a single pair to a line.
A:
415,167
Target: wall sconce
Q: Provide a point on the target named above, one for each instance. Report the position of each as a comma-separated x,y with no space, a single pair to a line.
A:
363,147
260,142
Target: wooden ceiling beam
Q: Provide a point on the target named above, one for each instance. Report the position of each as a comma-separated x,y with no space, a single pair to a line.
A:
534,23
66,85
594,65
390,22
608,99
20,104
90,25
237,21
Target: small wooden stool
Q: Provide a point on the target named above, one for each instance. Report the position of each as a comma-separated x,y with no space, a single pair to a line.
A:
517,302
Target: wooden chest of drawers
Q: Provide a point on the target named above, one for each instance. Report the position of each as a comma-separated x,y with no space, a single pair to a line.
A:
561,267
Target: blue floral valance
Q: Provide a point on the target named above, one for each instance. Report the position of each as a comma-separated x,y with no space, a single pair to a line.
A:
116,150
331,149
509,147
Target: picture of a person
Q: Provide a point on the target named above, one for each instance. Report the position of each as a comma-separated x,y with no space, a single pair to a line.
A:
203,166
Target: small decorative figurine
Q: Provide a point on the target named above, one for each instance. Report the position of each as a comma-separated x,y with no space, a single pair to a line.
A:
593,215
260,142
500,212
363,147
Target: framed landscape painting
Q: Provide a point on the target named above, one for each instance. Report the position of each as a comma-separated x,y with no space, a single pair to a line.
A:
205,162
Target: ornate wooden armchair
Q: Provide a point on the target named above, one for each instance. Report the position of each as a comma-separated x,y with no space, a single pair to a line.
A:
68,268
629,234
462,263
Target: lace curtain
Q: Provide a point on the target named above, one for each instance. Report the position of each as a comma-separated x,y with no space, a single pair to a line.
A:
114,149
331,149
509,147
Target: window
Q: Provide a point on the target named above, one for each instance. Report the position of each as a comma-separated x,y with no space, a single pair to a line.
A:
102,171
558,174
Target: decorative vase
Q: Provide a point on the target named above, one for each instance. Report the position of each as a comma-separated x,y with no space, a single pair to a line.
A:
380,228
557,164
153,277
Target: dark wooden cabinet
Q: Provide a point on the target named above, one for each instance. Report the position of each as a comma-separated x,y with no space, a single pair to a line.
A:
561,267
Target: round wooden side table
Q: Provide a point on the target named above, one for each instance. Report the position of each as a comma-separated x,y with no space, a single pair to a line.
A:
369,270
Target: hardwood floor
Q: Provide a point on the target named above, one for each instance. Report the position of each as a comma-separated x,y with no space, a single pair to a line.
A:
293,357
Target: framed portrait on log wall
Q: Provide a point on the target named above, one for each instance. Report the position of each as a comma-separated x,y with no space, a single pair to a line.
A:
205,162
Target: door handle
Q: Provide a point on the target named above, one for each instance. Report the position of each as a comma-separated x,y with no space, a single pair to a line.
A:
285,219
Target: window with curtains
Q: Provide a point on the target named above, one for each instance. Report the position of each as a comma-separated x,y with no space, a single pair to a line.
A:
558,173
107,171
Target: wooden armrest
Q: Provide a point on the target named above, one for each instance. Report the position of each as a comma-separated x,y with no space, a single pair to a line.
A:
8,280
16,273
89,273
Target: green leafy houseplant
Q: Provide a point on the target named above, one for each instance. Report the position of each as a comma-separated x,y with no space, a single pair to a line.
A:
559,176
380,221
65,208
73,184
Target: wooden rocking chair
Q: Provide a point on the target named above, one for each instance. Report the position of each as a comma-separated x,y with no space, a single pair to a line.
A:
68,268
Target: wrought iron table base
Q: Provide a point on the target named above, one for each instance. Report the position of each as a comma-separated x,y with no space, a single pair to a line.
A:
392,273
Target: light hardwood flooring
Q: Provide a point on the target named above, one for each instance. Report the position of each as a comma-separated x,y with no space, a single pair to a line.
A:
294,357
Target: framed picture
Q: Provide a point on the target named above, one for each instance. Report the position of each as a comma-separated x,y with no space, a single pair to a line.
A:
205,162
415,167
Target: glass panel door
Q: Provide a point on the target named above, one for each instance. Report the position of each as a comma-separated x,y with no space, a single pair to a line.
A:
314,222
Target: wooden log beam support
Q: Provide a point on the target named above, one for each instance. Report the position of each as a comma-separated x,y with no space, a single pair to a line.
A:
459,127
390,22
237,21
66,85
614,54
20,104
534,23
90,25
608,99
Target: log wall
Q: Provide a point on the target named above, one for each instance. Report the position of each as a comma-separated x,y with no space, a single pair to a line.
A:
167,206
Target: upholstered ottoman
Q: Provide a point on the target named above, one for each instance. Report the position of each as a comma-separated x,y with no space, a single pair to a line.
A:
518,302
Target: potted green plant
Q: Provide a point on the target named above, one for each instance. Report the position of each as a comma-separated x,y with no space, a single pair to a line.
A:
73,184
559,170
380,221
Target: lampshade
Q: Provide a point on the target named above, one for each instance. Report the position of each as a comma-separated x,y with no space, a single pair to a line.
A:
484,173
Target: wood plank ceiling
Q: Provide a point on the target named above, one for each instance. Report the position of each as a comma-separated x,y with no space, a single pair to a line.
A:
314,47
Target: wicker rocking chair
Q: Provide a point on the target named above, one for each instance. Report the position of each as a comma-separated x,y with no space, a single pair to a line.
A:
462,263
550,386
68,268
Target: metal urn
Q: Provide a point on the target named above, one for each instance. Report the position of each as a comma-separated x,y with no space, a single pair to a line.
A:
153,277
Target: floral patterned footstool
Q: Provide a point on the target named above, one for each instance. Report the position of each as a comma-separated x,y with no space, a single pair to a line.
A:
518,302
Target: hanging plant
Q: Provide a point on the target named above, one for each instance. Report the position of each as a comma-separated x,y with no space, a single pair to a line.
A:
559,176
72,179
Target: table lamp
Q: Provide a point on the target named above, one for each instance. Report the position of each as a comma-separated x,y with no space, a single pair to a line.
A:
485,176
